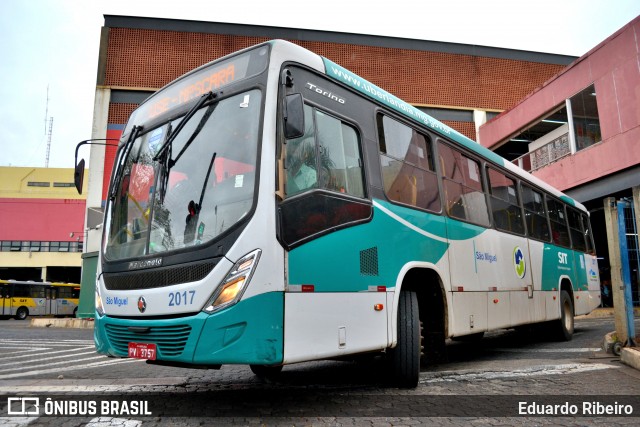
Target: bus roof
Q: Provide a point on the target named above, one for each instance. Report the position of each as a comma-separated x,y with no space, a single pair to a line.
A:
31,282
372,91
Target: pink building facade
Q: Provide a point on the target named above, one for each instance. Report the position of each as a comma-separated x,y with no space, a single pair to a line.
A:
612,70
580,131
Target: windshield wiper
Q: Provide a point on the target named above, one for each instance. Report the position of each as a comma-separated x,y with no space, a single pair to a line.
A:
126,148
166,162
204,98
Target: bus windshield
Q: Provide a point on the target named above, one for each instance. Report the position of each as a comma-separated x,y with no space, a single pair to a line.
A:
194,190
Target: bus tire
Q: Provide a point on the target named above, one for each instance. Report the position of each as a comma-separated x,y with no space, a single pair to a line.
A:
404,359
22,313
266,371
75,312
564,325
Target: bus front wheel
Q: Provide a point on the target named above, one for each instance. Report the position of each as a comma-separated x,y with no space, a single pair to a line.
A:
22,313
404,359
265,371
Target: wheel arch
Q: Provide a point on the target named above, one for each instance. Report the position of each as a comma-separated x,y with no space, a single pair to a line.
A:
566,285
426,280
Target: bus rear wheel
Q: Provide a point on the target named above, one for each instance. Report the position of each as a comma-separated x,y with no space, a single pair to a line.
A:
404,359
564,326
22,313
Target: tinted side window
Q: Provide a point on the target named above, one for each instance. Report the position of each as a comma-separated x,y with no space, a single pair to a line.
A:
327,156
37,292
505,207
64,292
586,226
535,214
558,220
408,173
575,229
462,181
21,291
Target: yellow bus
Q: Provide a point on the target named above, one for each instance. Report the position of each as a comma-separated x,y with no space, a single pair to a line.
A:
21,299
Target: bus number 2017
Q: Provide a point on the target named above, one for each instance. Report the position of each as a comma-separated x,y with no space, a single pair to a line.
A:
181,298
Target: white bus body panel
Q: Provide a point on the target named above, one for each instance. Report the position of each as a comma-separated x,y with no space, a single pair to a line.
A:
352,325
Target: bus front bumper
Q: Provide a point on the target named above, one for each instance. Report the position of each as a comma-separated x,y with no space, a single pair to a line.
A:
249,332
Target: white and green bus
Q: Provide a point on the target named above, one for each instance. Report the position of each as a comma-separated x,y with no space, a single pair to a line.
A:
271,207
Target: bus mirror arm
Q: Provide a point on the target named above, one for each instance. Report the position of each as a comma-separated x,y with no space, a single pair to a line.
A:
293,116
78,173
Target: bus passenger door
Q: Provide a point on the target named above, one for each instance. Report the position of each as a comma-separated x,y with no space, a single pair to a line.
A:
51,301
5,300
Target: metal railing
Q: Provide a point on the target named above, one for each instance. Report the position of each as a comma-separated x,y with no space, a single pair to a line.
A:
545,155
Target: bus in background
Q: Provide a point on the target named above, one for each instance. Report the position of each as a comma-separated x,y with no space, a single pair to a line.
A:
21,299
272,207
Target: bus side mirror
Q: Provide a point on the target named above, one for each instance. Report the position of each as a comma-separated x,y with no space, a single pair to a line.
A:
78,176
294,116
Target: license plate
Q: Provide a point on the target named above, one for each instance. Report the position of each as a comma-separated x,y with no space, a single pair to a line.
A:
141,350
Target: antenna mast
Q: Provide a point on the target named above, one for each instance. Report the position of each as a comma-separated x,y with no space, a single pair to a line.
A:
46,163
50,120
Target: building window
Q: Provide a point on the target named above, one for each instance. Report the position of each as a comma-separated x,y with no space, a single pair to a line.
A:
586,124
573,126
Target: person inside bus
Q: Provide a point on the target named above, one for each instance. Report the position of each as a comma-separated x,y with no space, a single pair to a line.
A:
301,174
192,219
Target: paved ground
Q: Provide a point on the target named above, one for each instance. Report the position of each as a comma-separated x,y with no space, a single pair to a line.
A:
481,383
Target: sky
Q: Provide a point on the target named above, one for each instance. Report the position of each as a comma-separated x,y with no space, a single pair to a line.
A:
49,48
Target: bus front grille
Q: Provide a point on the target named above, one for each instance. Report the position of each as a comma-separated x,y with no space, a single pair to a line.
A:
170,340
158,277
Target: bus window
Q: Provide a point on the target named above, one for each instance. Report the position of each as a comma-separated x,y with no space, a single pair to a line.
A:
535,213
462,181
64,292
586,226
575,229
408,172
505,207
37,292
340,158
327,156
301,156
558,219
21,291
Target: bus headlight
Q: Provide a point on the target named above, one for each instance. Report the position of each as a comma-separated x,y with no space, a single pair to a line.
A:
99,307
231,288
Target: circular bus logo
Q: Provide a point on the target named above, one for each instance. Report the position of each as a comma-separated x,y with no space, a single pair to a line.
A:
518,262
142,304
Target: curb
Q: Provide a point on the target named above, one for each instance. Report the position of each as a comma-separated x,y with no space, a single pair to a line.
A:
631,356
47,322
